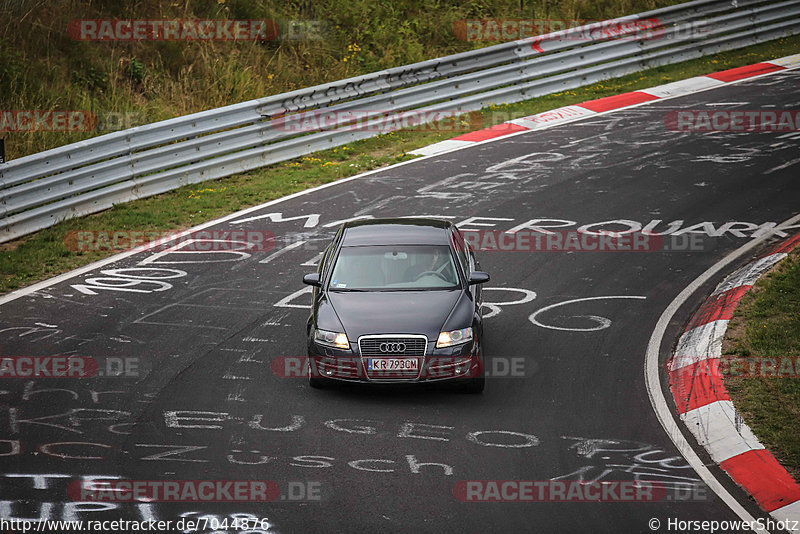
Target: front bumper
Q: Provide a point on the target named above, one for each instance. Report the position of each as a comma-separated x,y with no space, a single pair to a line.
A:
451,363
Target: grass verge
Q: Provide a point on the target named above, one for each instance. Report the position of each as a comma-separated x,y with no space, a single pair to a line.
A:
44,66
45,253
766,325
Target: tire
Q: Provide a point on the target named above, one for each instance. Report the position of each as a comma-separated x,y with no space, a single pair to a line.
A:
475,385
314,379
317,383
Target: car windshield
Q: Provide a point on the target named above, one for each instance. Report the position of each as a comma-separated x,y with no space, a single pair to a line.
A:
394,268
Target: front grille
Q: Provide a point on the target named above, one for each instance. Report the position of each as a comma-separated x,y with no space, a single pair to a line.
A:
371,346
411,347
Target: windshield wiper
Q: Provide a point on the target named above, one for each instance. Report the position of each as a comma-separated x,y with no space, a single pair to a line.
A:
346,290
437,288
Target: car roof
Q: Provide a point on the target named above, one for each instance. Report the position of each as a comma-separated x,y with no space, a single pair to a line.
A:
400,231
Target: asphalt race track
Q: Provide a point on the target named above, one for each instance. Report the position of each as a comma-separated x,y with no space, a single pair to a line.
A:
567,399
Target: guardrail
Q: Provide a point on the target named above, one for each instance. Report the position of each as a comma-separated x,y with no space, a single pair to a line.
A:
37,191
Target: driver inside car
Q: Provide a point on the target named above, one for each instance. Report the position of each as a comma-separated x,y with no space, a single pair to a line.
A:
429,262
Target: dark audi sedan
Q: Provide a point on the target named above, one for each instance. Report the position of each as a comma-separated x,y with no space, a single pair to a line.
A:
397,300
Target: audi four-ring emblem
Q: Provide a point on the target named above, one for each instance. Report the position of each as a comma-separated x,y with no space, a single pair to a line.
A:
392,347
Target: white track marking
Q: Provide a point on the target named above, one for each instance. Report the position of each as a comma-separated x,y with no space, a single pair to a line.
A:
783,166
496,307
653,380
604,323
282,251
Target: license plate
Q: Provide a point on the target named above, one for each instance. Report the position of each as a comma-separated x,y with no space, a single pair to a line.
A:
393,364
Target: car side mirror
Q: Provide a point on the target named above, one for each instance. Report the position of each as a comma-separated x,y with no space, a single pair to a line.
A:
478,277
312,279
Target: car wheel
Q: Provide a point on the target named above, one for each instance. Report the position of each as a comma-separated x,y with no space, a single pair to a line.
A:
317,383
475,385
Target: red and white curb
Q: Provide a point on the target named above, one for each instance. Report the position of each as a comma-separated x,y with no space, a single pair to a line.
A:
565,114
703,403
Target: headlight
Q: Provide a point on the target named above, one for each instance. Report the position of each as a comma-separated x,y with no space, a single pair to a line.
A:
454,337
332,339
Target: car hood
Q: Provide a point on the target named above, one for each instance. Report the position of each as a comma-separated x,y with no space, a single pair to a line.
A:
393,312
